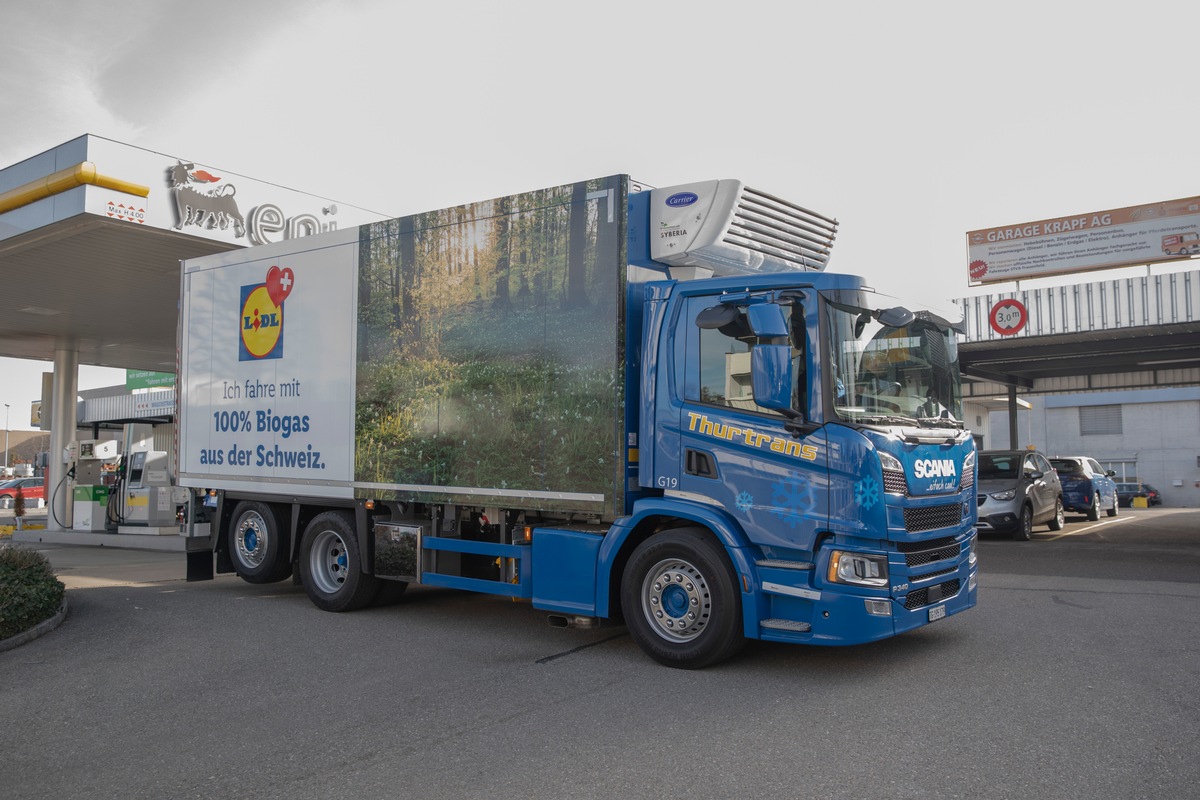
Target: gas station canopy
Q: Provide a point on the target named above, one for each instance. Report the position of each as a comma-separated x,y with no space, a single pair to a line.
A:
92,233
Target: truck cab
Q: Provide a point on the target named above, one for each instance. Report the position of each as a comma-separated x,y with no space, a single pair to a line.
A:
817,424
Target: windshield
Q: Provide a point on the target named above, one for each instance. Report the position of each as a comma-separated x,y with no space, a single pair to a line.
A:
1004,465
894,375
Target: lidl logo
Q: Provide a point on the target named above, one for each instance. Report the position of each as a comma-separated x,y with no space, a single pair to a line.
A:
261,316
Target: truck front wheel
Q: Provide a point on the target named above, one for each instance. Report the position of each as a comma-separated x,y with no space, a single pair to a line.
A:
680,599
330,568
256,545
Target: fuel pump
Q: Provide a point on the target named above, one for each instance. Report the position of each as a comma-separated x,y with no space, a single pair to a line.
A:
148,496
89,494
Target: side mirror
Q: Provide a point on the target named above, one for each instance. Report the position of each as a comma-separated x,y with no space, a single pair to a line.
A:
771,377
896,317
767,320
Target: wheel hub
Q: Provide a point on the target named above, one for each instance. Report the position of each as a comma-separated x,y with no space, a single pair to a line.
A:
251,541
676,600
328,562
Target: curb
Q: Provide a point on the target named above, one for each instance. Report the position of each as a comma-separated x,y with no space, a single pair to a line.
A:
42,628
6,531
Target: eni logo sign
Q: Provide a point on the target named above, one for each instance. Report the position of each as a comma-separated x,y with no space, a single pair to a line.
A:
262,315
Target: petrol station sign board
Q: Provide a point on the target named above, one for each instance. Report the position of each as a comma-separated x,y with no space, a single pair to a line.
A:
1121,237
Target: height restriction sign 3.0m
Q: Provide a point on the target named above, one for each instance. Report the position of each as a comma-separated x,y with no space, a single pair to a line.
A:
1008,317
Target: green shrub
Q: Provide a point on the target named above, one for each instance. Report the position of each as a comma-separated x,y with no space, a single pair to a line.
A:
29,592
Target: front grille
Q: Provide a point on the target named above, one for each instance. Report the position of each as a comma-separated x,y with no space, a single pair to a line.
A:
933,550
928,518
937,574
916,547
968,481
933,594
894,483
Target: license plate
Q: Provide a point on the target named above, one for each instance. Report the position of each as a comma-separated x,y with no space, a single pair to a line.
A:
936,613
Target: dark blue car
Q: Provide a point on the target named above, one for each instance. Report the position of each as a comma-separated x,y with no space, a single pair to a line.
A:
1086,486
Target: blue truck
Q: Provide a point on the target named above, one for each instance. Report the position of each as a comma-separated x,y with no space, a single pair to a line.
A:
653,407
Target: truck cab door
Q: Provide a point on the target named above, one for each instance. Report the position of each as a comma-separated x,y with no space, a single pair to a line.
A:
735,452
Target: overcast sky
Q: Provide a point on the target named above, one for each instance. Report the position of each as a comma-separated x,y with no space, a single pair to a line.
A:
911,123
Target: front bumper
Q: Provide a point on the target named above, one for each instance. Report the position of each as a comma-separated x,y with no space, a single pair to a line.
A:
797,606
1005,522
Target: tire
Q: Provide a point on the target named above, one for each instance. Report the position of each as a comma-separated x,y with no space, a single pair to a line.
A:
1024,531
1093,512
1112,512
680,599
258,548
330,567
7,502
1059,519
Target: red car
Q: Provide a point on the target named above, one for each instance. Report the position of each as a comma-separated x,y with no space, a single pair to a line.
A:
33,489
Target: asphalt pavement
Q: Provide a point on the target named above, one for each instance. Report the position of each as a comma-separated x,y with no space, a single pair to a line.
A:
86,567
1075,677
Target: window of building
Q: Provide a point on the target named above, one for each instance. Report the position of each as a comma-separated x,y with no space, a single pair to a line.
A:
1099,420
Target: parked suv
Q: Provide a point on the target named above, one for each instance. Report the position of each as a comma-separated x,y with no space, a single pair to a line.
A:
1018,489
1087,486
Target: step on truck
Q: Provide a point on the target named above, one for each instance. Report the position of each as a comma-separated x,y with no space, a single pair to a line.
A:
648,406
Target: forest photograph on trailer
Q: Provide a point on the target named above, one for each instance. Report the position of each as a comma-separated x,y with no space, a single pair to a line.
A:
488,349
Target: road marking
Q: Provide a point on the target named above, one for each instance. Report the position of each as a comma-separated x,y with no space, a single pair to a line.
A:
1090,527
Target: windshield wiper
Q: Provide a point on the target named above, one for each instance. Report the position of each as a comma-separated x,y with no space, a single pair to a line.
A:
889,420
940,422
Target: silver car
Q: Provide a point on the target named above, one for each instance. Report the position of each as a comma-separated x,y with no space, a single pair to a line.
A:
1018,489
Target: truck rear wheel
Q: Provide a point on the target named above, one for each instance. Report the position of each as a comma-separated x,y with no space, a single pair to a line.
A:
257,546
680,599
330,568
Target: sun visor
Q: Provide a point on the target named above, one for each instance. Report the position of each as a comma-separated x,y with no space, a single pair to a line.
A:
723,228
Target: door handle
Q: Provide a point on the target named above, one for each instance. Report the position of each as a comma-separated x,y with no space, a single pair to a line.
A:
699,464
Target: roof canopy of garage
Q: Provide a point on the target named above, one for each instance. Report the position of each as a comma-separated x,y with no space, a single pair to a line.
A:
1140,332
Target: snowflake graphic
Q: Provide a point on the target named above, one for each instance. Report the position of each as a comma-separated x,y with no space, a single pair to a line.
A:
866,493
792,499
744,502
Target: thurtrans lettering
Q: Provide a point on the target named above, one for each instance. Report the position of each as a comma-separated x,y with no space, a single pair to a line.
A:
701,424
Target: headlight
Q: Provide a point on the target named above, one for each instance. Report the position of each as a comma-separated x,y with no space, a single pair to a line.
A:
1008,495
889,461
858,569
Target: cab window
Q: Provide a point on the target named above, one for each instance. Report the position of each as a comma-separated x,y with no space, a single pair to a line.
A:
724,355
